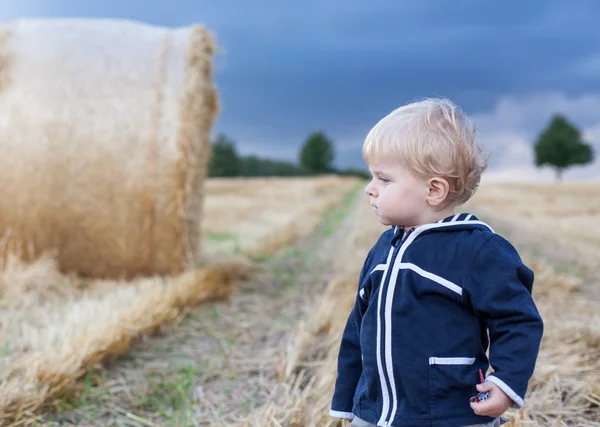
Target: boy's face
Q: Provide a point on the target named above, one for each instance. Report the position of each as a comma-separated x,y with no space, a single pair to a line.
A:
397,196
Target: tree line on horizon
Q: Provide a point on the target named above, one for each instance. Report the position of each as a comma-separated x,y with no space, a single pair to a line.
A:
315,157
560,146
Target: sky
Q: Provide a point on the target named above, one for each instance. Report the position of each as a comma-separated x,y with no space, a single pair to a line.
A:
286,69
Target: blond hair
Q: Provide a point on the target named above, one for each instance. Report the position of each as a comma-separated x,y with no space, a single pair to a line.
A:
431,138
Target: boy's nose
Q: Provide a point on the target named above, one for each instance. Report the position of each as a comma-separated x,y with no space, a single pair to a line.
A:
369,191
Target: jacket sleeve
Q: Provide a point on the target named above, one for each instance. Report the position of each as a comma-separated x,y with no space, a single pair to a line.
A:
349,367
499,287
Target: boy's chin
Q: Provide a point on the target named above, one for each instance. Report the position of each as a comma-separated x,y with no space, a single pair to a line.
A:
383,221
386,221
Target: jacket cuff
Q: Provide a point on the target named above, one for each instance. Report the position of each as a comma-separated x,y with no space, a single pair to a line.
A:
518,400
341,414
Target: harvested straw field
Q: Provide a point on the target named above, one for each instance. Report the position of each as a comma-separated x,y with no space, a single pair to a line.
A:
267,355
559,219
565,389
260,215
104,138
56,327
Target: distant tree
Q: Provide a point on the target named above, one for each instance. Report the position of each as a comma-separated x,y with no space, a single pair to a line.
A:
224,161
255,166
360,173
560,146
251,166
316,155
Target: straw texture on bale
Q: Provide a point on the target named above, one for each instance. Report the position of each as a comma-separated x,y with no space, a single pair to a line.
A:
104,134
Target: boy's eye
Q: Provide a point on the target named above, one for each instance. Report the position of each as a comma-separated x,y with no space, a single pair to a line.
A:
385,181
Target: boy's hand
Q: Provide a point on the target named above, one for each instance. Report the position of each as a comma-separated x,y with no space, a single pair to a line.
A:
495,405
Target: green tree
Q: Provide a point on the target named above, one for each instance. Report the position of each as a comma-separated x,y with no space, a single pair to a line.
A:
255,166
316,155
560,146
360,173
224,161
250,166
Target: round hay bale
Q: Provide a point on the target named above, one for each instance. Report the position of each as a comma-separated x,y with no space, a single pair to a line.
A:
104,143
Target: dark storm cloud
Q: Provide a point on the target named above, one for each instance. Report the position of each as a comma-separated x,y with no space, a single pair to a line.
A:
287,69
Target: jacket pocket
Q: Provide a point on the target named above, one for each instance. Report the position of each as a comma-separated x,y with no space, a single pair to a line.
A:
452,381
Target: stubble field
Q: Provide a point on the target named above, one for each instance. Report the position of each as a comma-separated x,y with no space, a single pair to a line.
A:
251,337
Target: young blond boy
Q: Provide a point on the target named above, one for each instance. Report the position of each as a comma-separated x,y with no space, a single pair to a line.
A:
433,286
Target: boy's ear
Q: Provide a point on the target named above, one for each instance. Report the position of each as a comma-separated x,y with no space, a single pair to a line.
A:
437,191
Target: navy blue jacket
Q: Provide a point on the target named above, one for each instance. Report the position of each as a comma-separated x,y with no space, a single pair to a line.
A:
418,333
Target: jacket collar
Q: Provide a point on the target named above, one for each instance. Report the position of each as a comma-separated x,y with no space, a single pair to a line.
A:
460,217
452,222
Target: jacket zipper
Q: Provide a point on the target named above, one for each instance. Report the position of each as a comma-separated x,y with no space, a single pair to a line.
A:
386,381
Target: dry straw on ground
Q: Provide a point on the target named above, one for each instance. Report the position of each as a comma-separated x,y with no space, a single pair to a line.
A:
308,369
565,388
54,326
104,136
74,325
548,218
